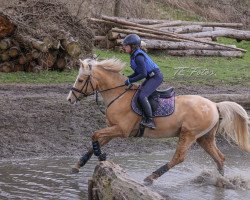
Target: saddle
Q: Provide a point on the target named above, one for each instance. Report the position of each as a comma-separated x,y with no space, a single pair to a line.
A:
161,101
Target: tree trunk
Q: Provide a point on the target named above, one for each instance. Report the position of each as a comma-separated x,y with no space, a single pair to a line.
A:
4,56
5,44
230,33
111,182
7,67
61,63
204,24
220,53
169,45
183,29
14,52
7,28
148,35
47,60
117,8
72,47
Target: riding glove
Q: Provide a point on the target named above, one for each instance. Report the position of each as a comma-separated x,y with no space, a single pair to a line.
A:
127,82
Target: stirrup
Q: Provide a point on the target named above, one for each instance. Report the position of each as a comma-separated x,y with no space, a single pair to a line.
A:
149,123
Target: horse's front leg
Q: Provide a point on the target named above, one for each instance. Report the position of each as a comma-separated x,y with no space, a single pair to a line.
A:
104,134
85,157
99,138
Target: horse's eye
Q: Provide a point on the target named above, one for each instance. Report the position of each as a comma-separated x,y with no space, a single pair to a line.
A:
80,81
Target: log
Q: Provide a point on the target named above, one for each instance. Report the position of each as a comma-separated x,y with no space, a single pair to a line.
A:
71,46
35,53
147,35
109,181
229,33
204,24
113,35
18,67
169,45
99,38
5,44
183,29
4,56
39,45
14,52
7,28
61,63
47,60
220,53
165,33
7,67
23,59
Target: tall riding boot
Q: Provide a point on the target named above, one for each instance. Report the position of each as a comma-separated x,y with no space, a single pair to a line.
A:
146,107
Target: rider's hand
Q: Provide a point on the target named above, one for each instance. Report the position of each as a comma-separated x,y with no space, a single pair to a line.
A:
127,82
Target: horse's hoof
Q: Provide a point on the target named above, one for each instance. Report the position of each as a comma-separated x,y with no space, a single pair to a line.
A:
102,157
74,170
148,181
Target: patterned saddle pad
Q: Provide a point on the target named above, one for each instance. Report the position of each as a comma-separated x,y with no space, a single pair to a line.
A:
161,104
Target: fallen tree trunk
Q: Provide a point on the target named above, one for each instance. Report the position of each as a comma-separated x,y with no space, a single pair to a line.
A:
111,182
204,24
183,29
220,53
169,45
148,35
230,33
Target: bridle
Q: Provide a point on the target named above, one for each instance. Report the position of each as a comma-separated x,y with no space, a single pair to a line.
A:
84,93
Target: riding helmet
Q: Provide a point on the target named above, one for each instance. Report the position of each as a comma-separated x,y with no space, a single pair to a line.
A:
132,39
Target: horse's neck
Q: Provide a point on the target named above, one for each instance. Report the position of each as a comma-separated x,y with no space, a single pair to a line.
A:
108,80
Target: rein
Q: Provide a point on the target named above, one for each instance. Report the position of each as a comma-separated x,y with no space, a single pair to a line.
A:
84,93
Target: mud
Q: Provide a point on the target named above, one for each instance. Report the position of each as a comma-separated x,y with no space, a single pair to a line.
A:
36,120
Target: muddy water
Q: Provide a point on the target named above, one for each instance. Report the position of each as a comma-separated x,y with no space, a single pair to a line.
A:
196,178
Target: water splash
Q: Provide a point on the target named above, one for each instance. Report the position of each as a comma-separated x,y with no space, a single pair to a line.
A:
212,178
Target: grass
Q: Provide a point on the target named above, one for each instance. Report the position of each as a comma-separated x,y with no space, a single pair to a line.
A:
198,70
183,70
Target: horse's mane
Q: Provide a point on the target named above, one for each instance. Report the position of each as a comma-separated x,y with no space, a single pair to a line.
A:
112,64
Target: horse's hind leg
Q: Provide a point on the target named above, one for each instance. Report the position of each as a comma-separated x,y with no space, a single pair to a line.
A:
207,142
186,139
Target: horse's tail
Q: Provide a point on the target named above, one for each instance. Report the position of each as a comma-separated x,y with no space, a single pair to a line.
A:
234,123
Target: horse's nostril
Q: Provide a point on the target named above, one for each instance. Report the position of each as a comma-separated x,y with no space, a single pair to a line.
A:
69,100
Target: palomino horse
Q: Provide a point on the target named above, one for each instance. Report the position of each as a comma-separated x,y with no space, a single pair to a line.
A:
195,119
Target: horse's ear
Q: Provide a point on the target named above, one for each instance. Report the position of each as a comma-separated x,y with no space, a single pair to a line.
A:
83,64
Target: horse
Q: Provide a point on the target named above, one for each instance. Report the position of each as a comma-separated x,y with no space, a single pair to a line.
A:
195,119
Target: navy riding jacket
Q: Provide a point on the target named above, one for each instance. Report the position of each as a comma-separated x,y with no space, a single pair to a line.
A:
142,66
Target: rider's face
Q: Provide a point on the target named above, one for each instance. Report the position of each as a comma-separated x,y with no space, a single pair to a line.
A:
127,48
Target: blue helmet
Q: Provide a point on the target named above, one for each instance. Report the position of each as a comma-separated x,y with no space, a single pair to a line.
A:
132,39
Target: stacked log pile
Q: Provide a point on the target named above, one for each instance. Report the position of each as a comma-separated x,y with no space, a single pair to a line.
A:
40,35
177,38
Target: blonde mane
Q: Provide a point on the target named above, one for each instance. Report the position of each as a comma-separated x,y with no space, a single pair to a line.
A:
112,64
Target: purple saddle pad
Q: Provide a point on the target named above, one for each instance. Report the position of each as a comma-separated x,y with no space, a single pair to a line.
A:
161,107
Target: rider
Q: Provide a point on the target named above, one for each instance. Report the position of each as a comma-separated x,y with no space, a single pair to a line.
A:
143,67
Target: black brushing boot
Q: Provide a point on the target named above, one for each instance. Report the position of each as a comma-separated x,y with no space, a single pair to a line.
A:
148,120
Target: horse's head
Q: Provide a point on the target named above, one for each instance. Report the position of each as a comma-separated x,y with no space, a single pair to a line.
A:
85,84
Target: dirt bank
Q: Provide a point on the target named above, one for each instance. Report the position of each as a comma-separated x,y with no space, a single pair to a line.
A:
36,120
